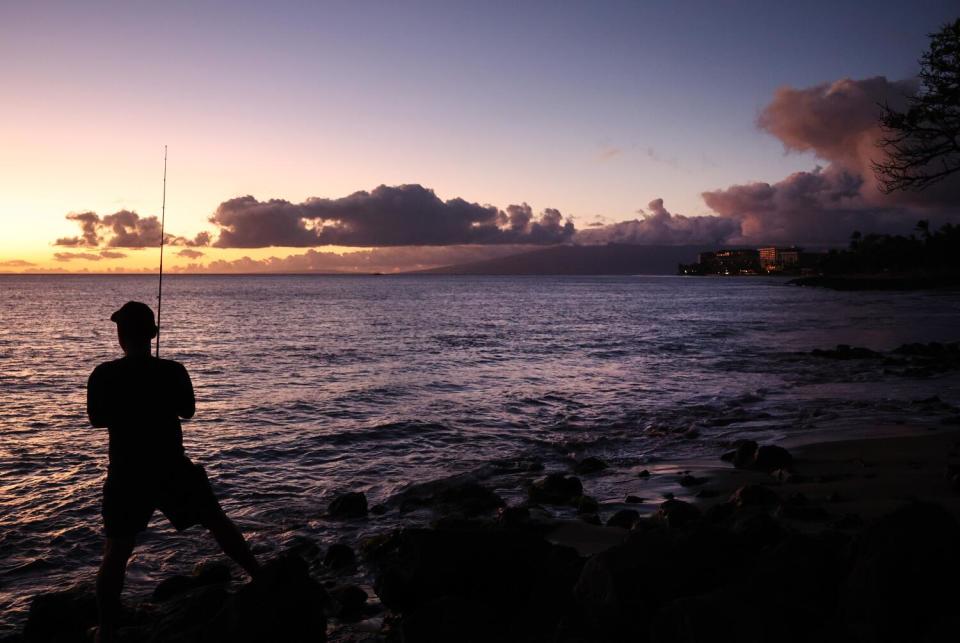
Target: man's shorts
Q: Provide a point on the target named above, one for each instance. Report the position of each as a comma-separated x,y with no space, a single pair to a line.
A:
181,491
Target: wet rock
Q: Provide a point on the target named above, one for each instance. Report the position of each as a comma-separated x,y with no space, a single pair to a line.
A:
633,500
352,504
903,570
379,509
848,521
589,465
845,351
350,600
788,477
451,618
770,457
587,505
283,604
689,480
512,516
207,573
644,473
523,580
61,616
745,454
380,546
677,513
756,528
754,495
181,618
466,498
625,518
340,557
556,489
720,512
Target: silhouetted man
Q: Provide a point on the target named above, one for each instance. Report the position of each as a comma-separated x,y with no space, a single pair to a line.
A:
140,400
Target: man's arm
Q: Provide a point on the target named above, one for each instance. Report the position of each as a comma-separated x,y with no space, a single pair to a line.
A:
185,401
97,408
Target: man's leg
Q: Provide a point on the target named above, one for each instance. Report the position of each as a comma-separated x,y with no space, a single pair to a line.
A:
231,541
116,553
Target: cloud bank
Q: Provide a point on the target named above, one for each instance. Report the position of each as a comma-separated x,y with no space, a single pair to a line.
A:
404,215
122,229
838,123
660,227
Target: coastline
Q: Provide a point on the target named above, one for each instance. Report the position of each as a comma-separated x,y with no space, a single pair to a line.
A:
483,569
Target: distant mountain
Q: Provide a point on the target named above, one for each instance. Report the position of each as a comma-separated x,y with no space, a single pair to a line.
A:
613,259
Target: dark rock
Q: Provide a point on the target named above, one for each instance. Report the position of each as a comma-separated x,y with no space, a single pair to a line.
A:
556,489
788,477
756,528
625,518
522,581
707,493
170,587
643,474
754,495
677,513
590,519
380,546
770,457
183,617
621,589
767,458
633,500
902,573
692,481
350,600
848,521
511,516
352,504
745,454
720,512
589,465
340,557
587,505
283,604
466,498
61,616
379,509
451,618
845,351
728,456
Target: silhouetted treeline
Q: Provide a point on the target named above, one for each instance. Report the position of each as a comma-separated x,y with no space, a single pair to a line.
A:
926,251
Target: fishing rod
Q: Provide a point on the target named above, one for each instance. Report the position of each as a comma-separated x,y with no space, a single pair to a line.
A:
163,216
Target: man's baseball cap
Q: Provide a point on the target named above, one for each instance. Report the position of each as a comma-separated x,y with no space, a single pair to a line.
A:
135,314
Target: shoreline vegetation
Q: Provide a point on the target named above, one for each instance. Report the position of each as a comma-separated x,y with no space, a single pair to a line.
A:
850,539
924,260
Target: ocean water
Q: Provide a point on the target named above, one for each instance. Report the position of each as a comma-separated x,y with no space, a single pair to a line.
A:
308,386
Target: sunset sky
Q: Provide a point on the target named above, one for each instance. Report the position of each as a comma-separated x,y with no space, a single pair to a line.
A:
588,112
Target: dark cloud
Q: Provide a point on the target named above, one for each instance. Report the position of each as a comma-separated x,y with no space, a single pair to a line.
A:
190,254
89,223
660,227
123,229
838,123
405,215
16,263
112,254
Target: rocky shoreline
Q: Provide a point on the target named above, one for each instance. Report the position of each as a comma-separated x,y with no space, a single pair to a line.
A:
841,541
